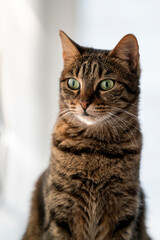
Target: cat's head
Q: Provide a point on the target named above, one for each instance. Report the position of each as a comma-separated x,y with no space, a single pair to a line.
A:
96,84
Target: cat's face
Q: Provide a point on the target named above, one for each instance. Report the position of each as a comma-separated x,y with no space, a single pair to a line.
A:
96,84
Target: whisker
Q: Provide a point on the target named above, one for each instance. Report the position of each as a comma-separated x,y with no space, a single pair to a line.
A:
62,112
62,117
124,129
129,113
112,125
121,119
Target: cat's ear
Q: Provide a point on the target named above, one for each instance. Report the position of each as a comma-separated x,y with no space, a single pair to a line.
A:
128,50
70,48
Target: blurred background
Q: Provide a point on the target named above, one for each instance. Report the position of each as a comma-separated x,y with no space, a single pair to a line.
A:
30,66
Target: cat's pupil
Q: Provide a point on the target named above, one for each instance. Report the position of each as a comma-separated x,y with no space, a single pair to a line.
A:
107,85
73,83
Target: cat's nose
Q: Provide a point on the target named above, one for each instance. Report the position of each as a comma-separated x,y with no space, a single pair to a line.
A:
84,104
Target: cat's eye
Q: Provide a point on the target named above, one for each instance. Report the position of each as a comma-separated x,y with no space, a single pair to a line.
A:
73,84
106,84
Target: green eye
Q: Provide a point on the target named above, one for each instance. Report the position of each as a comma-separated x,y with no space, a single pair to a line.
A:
106,85
73,84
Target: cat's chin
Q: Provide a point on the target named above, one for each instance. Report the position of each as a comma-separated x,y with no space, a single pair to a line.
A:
87,120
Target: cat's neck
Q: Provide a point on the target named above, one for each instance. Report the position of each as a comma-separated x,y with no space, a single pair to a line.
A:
79,147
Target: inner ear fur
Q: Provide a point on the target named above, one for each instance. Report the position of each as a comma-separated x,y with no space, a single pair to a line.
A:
127,49
70,48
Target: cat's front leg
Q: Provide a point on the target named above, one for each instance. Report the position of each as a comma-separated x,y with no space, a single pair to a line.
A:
124,229
55,232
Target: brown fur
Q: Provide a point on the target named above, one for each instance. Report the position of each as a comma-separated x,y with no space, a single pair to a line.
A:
91,189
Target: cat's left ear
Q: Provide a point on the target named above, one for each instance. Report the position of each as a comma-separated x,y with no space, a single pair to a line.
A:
70,48
128,50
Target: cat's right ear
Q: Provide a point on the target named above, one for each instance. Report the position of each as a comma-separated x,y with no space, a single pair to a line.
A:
70,49
128,50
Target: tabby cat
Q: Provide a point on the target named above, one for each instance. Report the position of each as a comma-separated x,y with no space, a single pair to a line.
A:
91,189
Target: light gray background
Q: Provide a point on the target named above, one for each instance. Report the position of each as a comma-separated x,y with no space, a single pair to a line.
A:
30,65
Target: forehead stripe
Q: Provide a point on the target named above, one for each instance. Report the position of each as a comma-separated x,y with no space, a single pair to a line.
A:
83,68
89,68
77,71
94,68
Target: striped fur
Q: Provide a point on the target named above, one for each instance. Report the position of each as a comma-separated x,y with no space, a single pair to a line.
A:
91,189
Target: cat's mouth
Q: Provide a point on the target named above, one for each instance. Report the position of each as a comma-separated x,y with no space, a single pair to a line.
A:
85,113
87,118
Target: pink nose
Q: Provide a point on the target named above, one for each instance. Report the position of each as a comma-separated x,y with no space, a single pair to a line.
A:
84,104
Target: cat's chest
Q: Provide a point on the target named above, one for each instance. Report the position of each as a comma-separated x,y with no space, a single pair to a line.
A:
92,218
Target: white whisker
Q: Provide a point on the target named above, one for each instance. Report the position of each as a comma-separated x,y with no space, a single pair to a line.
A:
64,115
130,137
129,113
112,126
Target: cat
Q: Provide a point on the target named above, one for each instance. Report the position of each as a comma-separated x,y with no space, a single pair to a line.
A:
91,189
